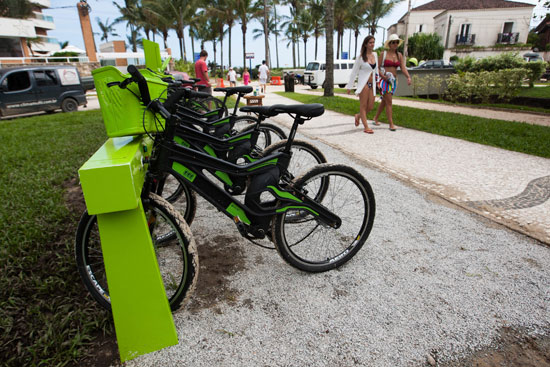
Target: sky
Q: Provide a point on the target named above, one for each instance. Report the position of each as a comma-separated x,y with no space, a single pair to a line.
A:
68,29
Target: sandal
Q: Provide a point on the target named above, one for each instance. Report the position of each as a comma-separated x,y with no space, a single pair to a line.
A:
368,131
376,123
356,120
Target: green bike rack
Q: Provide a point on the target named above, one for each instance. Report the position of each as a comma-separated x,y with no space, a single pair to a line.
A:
111,181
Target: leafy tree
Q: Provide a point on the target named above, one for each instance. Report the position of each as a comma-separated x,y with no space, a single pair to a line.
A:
158,13
246,10
425,46
342,14
107,29
290,26
20,9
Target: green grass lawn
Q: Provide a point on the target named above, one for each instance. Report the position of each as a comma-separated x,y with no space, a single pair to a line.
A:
46,317
519,137
536,92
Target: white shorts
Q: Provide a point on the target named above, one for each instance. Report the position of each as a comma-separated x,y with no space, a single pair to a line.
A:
263,80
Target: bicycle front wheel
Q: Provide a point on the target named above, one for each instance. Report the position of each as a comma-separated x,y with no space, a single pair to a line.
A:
306,243
174,247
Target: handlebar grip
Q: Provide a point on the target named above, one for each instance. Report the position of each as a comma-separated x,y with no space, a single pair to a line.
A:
142,84
174,96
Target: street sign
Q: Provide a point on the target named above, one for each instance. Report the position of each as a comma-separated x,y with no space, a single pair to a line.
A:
249,55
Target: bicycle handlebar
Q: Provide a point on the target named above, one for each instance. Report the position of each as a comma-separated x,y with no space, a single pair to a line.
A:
142,84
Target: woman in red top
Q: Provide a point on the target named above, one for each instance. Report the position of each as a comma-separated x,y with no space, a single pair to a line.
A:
389,61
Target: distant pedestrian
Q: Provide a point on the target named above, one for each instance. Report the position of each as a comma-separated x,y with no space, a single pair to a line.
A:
246,76
263,71
389,61
201,72
232,75
365,70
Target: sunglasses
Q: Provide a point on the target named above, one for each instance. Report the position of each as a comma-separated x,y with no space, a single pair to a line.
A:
394,42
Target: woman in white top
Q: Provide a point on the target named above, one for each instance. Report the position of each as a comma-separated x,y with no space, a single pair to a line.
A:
365,70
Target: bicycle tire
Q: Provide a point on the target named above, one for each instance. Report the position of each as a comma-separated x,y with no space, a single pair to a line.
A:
305,156
310,246
179,276
181,196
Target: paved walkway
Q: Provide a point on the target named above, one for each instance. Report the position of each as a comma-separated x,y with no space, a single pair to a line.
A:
508,187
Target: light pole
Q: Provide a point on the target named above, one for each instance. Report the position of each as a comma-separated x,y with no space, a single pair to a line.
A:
383,33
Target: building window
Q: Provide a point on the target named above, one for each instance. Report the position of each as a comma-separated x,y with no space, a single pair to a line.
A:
419,28
465,30
45,78
508,27
10,47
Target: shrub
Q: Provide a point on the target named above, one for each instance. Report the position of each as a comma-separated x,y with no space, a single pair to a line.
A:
426,46
480,86
185,66
534,71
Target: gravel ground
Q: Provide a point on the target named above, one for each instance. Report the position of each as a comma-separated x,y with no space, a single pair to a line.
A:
431,278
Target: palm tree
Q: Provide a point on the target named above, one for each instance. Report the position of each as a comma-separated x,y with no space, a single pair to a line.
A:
290,25
246,10
357,21
317,11
328,85
181,10
305,29
376,10
158,13
342,13
107,29
272,29
130,14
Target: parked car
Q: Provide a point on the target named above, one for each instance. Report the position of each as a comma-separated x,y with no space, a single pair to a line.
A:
41,88
433,64
532,56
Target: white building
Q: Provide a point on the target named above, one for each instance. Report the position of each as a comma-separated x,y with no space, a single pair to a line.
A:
477,28
14,33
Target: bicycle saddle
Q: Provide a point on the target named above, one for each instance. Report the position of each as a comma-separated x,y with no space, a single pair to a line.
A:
304,110
262,110
234,90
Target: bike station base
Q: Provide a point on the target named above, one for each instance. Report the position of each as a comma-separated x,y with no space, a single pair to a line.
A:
111,182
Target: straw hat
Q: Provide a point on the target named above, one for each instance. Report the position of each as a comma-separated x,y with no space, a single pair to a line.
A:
393,37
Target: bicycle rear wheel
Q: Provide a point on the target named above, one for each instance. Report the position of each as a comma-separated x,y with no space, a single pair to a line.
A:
306,243
174,247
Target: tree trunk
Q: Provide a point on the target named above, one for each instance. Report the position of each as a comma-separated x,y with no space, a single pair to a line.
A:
305,53
178,33
230,26
243,28
266,35
276,41
329,31
192,45
316,39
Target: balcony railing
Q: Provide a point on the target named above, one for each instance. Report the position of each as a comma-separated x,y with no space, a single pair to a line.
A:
41,16
468,40
509,38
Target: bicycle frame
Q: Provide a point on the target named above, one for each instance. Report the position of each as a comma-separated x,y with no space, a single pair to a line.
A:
252,217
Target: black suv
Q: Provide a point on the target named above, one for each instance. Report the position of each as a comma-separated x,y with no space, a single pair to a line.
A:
42,88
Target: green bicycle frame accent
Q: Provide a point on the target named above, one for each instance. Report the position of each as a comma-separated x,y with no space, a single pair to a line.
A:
111,181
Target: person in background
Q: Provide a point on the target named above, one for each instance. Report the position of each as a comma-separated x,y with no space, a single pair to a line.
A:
389,61
201,72
365,70
232,75
263,72
246,76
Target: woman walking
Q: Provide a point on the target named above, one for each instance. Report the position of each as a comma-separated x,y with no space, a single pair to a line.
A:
389,61
365,70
